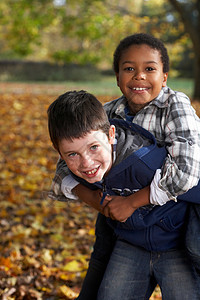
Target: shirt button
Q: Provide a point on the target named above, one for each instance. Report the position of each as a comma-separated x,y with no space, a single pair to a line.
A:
190,142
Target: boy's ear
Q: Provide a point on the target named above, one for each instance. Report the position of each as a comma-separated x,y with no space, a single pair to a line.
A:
112,134
165,80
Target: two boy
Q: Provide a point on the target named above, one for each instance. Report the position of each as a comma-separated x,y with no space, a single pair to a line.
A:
141,65
119,158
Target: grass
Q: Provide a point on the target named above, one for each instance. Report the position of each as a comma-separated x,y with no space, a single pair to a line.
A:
105,86
183,85
108,86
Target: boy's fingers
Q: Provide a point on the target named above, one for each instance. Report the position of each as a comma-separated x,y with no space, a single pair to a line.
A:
105,203
124,220
107,195
106,212
108,198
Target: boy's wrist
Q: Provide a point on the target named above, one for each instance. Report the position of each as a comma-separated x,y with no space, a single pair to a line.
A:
140,198
133,202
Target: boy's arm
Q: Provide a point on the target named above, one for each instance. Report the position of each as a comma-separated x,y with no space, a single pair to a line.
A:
181,170
89,197
120,208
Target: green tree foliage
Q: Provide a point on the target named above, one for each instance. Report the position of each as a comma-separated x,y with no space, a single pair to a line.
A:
87,31
22,23
80,31
92,29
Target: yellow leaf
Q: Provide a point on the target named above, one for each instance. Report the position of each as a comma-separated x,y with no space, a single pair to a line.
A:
91,231
43,161
64,276
46,256
17,105
69,293
72,266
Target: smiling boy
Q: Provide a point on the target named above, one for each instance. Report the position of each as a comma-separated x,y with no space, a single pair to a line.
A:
81,133
147,70
89,157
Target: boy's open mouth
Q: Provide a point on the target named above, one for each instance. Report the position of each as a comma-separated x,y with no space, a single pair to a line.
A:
92,172
139,89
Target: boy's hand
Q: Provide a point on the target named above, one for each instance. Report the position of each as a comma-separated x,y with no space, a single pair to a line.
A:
118,208
121,208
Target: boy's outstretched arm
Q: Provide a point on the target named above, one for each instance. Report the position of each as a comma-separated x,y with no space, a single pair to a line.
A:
120,208
90,197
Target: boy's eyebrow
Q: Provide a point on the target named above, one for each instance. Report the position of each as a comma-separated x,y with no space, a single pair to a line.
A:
67,152
133,62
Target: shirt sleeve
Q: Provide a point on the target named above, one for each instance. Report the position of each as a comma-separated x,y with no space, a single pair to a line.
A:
157,195
56,192
68,184
181,170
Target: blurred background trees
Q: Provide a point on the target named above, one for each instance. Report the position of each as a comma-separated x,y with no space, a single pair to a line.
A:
87,31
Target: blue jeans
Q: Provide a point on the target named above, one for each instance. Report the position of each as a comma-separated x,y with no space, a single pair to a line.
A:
133,273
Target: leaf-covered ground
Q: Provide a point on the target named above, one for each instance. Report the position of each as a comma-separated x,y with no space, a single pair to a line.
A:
44,245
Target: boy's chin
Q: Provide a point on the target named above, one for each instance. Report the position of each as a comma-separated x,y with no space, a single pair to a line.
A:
93,179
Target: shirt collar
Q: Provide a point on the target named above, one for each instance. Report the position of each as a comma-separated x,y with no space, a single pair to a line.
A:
160,101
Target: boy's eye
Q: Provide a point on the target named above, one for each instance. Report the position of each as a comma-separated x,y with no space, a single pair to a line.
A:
94,147
129,69
72,154
150,69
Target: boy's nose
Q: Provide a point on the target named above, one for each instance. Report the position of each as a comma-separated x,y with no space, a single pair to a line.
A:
85,161
139,76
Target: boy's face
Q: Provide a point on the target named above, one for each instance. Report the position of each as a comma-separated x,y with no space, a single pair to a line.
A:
89,157
140,76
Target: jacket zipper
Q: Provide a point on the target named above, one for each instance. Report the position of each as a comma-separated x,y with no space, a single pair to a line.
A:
104,193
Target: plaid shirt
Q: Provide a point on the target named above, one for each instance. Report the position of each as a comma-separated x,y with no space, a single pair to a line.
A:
174,123
172,120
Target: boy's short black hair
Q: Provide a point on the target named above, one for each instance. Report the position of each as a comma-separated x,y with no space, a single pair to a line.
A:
74,114
139,39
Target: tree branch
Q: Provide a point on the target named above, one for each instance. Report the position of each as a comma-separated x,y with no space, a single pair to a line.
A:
186,17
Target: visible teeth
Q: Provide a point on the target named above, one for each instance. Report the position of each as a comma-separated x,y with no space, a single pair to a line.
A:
91,172
139,89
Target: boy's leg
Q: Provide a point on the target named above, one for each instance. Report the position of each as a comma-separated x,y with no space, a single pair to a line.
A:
175,275
128,274
192,238
105,240
92,280
132,273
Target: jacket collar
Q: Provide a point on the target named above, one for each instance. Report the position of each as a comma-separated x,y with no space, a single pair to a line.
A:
160,101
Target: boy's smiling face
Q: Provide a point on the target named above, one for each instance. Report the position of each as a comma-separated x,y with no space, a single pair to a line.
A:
140,76
90,156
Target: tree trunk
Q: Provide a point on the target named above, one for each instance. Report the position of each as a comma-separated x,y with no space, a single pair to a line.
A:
190,16
196,94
